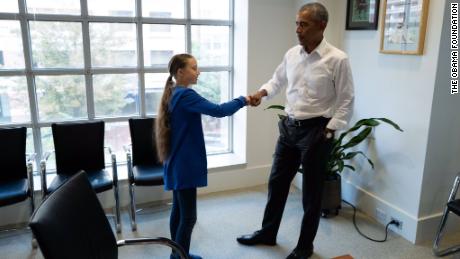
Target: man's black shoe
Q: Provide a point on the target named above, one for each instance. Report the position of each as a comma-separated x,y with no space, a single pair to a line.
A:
256,238
300,254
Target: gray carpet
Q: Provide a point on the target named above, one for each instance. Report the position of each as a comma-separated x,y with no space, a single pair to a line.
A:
223,216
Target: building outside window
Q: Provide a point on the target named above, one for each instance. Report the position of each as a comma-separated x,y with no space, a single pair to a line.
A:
108,61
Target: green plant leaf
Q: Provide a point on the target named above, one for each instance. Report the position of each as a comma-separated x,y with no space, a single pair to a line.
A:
396,126
370,162
351,167
371,122
364,155
358,138
340,165
350,155
278,107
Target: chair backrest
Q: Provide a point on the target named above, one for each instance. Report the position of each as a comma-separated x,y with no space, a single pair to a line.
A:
143,141
71,223
13,153
78,146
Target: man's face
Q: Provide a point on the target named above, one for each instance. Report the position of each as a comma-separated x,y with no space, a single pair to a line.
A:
309,31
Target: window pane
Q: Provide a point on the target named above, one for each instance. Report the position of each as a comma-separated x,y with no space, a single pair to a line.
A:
61,97
116,136
111,8
210,45
113,44
214,87
154,85
9,6
57,44
163,9
71,7
210,9
161,42
116,95
11,51
14,100
30,144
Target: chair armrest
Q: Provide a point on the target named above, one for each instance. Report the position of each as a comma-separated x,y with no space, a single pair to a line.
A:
127,148
159,240
113,158
30,157
43,173
30,178
129,162
453,192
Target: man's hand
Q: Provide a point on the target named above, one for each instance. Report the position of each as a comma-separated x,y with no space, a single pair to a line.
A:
248,100
256,98
329,133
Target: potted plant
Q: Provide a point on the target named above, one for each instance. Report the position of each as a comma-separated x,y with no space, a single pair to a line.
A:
343,151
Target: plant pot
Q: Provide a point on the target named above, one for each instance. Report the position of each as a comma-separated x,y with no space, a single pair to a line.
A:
332,196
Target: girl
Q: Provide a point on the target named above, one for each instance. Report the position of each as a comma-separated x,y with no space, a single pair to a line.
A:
180,143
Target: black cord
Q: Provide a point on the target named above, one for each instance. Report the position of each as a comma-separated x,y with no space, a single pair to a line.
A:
359,231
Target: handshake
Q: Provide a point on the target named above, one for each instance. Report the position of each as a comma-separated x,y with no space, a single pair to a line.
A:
256,98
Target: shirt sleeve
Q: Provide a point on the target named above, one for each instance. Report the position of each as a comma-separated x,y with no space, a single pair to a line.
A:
194,102
277,82
343,82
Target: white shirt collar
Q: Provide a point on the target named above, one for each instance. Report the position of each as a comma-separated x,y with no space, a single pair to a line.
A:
320,49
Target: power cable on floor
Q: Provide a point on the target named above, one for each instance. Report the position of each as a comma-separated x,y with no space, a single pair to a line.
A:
392,222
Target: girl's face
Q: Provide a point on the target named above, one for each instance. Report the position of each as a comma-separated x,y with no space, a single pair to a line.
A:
189,74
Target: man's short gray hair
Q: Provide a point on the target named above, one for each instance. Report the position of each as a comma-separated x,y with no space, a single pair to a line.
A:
319,11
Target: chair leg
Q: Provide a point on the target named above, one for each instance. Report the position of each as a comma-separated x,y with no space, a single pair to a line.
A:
32,199
439,234
132,207
32,209
117,209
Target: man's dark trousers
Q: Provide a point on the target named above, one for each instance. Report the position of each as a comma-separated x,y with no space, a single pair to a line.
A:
300,143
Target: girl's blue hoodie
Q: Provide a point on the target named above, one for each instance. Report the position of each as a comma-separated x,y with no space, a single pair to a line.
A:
186,165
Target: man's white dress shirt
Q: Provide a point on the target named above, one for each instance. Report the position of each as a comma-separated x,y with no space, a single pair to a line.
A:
318,84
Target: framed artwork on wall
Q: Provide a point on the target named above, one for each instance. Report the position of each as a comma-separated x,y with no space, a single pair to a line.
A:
362,14
404,26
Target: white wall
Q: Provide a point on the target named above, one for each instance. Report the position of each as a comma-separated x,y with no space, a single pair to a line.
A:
442,161
269,33
399,87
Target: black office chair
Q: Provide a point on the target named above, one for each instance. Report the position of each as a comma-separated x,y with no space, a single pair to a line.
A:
80,146
144,169
453,205
16,170
71,223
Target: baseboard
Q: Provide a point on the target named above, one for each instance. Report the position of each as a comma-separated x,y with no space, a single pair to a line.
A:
428,226
369,203
414,229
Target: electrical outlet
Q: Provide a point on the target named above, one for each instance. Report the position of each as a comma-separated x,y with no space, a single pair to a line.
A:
380,215
399,223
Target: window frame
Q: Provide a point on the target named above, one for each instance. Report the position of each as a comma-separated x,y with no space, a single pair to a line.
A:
29,72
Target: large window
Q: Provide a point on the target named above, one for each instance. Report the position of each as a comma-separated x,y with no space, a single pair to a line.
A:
84,60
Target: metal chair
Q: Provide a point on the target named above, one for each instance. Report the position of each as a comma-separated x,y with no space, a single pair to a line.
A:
80,146
144,169
16,169
453,205
71,223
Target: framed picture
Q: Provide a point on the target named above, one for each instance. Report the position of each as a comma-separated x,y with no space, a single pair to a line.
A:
362,14
404,26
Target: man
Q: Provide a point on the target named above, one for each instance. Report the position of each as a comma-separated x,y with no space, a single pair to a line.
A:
319,101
